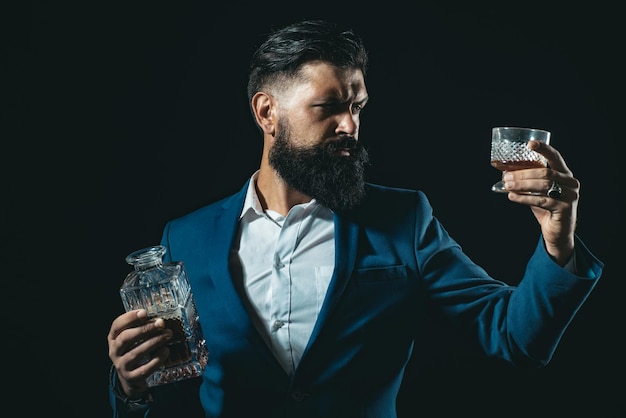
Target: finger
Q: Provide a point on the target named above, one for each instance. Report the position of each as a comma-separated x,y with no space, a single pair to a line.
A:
532,180
531,186
540,201
127,320
133,336
135,374
538,184
554,157
147,349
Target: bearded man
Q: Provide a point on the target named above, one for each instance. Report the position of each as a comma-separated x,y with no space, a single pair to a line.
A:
311,283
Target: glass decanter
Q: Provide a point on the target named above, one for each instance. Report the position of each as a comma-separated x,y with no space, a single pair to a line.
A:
163,290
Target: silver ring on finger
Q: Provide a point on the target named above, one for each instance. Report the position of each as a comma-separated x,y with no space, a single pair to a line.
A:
554,191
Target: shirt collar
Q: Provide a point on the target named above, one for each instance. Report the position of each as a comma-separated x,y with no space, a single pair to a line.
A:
252,202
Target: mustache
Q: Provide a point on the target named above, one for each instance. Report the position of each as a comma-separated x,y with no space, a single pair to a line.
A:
343,142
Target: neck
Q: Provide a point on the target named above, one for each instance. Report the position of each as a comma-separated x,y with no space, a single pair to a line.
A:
274,194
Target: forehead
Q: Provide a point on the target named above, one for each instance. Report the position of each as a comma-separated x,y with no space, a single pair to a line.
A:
322,79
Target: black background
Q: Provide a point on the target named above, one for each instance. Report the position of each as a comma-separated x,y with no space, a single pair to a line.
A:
117,117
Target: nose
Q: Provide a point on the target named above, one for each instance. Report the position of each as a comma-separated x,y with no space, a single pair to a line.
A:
348,124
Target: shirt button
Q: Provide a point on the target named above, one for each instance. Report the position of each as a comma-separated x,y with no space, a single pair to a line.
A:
277,263
278,325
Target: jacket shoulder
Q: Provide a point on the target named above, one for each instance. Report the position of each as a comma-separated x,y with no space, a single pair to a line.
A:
385,204
391,198
233,202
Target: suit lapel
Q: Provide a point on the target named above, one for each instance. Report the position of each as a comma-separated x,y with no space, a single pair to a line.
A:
346,238
220,244
223,232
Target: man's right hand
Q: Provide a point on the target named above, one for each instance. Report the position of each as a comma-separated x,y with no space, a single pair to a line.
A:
137,348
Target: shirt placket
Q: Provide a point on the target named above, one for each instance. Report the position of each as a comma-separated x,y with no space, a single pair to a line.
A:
281,286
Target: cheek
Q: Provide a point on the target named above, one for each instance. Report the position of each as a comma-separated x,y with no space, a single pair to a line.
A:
307,131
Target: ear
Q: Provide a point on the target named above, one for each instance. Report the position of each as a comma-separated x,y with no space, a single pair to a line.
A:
263,105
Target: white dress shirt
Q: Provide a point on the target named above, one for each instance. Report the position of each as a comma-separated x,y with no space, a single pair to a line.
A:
285,266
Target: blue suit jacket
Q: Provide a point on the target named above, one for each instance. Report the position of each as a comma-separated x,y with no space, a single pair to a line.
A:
394,262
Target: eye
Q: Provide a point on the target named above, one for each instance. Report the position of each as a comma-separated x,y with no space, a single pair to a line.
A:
356,108
330,107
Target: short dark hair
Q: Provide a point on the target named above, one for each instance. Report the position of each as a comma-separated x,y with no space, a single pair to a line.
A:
285,50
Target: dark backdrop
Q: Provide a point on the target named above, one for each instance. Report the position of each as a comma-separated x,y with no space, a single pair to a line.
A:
119,117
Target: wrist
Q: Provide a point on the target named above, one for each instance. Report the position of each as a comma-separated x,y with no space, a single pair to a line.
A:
132,401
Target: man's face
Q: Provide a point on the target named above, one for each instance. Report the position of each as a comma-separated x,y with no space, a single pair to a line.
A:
315,147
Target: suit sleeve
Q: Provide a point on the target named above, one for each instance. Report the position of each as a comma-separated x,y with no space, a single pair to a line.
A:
520,324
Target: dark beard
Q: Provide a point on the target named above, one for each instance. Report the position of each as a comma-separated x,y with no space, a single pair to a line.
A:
334,180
